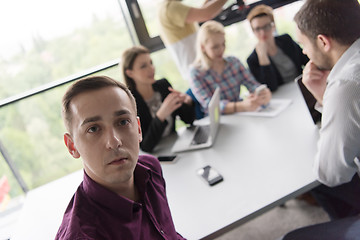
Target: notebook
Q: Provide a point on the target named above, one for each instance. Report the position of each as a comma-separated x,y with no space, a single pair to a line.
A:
309,99
201,136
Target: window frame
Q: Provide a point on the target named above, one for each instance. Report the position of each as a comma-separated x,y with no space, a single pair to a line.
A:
155,43
152,43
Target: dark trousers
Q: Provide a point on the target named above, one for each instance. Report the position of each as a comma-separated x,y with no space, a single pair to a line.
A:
340,201
342,229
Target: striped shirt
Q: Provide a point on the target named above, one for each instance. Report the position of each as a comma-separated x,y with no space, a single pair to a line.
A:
204,82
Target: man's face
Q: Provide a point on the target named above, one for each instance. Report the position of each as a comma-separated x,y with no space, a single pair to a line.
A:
106,134
313,50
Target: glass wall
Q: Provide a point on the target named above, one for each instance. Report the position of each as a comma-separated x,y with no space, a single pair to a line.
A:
68,38
9,187
32,134
44,41
48,41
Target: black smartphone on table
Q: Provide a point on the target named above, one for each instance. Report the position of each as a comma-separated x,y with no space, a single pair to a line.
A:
168,158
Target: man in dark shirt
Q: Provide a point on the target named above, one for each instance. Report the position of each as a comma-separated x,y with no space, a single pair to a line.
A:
123,194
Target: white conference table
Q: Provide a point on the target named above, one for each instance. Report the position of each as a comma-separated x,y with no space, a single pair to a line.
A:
264,162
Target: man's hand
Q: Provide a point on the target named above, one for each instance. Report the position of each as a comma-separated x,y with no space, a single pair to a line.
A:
315,80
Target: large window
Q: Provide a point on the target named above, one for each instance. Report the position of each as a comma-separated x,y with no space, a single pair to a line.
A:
48,41
144,16
43,41
46,44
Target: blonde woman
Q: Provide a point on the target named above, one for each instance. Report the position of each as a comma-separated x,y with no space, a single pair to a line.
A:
211,69
157,103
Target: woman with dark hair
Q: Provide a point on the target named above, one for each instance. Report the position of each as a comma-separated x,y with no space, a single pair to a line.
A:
157,102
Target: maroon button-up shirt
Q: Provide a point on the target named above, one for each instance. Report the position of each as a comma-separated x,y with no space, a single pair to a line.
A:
95,212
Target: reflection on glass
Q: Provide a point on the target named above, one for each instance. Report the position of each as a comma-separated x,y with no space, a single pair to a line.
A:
49,40
9,187
165,68
32,135
32,129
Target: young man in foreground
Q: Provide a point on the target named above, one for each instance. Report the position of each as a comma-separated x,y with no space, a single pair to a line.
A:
123,194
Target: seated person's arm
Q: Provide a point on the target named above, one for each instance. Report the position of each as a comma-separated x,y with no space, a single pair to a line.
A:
187,109
315,80
338,154
251,103
201,91
264,74
171,103
247,105
186,98
261,51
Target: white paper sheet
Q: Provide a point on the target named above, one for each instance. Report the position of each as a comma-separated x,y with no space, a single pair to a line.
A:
275,107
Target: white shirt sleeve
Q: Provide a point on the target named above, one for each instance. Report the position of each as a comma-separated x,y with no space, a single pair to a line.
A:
339,145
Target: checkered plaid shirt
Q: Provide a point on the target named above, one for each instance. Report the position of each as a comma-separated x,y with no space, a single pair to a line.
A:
204,82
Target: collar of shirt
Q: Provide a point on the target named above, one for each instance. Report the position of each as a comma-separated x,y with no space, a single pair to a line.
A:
226,66
108,199
348,54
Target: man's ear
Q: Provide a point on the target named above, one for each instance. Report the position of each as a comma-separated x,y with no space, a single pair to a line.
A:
139,129
71,146
323,42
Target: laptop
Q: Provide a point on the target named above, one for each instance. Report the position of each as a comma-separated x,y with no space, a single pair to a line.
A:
310,100
201,136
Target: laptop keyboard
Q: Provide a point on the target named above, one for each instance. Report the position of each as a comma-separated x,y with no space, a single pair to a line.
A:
201,135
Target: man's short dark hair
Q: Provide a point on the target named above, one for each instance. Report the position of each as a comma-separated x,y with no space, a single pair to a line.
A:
89,84
337,19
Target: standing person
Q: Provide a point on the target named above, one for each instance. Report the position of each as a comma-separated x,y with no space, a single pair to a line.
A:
123,194
329,31
179,26
211,69
157,103
275,60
